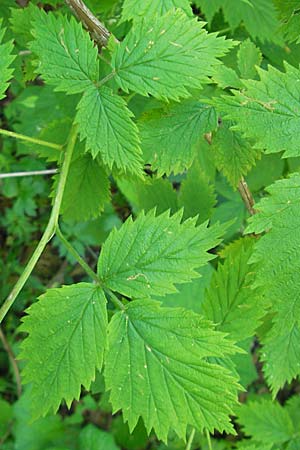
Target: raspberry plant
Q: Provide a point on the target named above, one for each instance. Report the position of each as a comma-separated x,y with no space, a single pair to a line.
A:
172,129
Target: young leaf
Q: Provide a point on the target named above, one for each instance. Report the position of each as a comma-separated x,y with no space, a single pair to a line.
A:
277,256
157,367
65,346
266,422
197,195
248,56
168,57
68,57
6,59
86,191
133,10
230,301
267,111
169,135
92,438
152,193
146,257
105,122
233,155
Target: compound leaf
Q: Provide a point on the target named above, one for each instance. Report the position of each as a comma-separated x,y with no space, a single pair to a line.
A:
146,257
268,110
167,57
67,56
105,122
65,346
157,367
6,59
278,264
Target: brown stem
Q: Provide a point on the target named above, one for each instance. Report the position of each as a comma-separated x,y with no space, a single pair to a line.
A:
98,31
246,196
12,360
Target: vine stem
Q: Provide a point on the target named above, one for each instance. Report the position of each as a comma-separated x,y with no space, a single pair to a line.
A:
208,439
12,360
98,31
246,196
190,441
50,228
76,255
22,137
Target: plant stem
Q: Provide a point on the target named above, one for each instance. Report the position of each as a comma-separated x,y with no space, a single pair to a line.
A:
190,441
50,229
22,137
246,196
28,174
12,360
114,299
98,31
76,255
208,439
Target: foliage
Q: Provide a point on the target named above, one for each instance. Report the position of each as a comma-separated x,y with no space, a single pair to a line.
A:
165,247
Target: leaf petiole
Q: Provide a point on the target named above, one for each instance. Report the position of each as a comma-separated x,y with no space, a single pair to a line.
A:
22,137
76,255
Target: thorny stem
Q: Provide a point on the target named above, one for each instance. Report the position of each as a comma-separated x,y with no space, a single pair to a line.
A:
76,255
98,31
246,196
22,137
208,439
190,441
50,228
28,174
12,360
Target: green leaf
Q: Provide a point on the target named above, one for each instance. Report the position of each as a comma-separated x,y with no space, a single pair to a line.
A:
277,257
169,135
6,59
231,302
86,191
190,295
248,57
65,346
268,110
168,57
92,438
227,77
201,204
67,56
133,10
266,422
258,16
233,155
40,434
146,257
157,368
105,122
152,193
